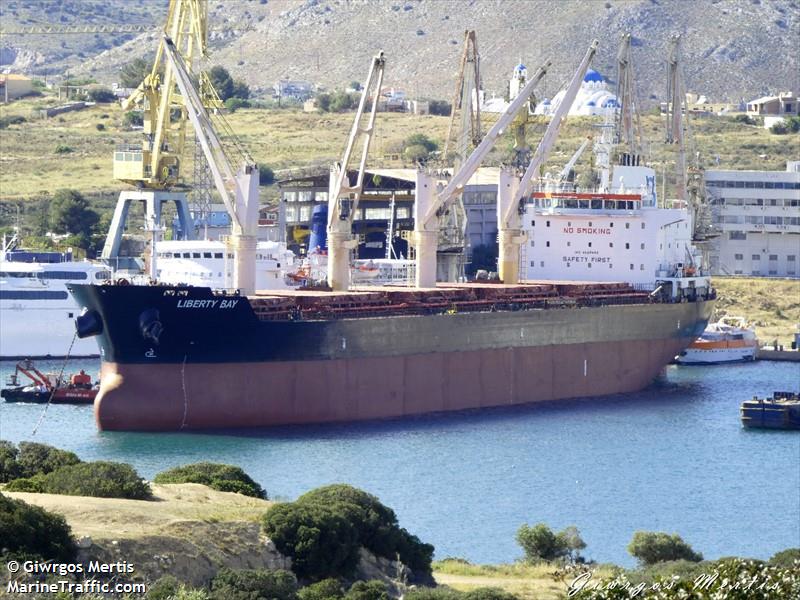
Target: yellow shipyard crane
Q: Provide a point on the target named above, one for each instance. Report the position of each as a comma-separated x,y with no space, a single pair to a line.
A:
155,164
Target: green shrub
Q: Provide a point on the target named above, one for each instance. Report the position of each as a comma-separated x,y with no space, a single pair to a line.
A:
247,584
266,176
542,543
164,588
102,94
785,558
437,593
322,590
376,525
9,467
35,458
133,118
368,590
27,530
320,541
233,104
651,547
100,127
11,120
225,478
99,479
63,149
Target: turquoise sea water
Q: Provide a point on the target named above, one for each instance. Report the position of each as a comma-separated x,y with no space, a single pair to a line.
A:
673,458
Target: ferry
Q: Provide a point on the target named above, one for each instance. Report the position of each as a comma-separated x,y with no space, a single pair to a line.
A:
36,311
728,340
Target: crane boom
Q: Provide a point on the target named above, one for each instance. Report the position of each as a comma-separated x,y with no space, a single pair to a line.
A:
474,160
239,191
340,217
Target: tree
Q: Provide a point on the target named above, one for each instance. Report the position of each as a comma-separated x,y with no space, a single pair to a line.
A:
440,107
134,72
323,101
266,176
70,213
240,90
422,140
342,101
542,543
651,547
222,81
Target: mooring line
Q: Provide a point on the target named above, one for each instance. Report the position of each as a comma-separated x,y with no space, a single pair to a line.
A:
55,384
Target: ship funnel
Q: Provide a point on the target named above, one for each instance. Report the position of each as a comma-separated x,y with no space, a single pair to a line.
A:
88,324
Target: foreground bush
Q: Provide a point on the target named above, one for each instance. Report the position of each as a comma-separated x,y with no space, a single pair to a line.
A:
249,584
725,579
9,467
31,459
368,590
30,531
444,593
651,547
322,590
35,459
225,478
376,525
320,540
786,558
99,479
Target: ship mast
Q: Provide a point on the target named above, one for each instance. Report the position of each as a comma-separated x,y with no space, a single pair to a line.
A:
628,124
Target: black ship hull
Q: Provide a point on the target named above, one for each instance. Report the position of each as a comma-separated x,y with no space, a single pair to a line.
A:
190,359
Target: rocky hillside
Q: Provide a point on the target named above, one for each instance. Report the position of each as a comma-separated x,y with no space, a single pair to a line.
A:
733,48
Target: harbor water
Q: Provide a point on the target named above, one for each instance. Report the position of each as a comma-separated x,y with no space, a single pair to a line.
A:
672,458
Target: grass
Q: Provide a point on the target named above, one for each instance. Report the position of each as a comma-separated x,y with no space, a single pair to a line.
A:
31,168
529,581
772,305
174,506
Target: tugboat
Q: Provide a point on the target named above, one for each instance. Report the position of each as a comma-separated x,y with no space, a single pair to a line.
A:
782,411
43,388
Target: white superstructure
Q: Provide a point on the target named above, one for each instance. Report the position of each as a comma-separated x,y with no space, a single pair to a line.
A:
211,264
615,235
37,313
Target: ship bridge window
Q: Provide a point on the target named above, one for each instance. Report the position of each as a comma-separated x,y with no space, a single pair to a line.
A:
195,255
218,255
18,274
583,203
206,254
187,255
570,203
102,275
597,204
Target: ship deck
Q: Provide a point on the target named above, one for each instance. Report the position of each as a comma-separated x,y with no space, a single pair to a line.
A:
293,304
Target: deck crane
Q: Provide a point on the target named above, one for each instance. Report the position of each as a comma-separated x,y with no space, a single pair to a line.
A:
430,200
237,187
466,98
564,175
513,190
628,128
343,197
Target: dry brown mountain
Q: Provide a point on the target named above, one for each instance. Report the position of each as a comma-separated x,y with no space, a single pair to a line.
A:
734,49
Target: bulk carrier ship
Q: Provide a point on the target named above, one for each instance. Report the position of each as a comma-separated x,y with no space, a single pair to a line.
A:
187,358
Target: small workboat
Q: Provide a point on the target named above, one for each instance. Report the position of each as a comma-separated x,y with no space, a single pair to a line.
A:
728,340
48,387
782,411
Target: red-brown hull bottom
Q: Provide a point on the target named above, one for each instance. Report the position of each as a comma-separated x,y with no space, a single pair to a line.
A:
170,397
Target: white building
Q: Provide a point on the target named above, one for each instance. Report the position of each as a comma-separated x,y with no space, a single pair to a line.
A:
758,216
594,98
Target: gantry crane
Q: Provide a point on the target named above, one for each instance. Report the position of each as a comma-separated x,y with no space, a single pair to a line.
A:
156,163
